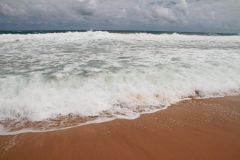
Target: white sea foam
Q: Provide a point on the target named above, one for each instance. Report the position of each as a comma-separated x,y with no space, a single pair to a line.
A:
44,76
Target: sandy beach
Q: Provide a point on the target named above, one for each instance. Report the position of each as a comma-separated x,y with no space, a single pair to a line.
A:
193,129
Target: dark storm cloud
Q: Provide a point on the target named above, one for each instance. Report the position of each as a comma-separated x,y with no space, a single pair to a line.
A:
196,15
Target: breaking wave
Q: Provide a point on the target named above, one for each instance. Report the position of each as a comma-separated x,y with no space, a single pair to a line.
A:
49,79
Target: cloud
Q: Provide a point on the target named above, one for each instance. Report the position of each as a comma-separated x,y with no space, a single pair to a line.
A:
6,10
53,10
84,7
181,7
104,14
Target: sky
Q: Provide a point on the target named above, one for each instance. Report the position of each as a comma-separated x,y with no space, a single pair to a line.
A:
156,15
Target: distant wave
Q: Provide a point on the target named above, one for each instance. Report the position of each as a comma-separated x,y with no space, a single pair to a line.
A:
115,31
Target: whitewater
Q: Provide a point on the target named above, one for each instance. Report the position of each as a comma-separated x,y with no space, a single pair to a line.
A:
102,75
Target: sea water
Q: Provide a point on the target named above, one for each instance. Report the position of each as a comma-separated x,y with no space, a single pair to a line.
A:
49,75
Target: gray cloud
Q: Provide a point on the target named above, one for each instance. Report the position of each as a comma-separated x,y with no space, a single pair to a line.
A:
12,12
195,15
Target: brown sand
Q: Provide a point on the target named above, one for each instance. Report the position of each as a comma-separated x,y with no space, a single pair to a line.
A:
195,129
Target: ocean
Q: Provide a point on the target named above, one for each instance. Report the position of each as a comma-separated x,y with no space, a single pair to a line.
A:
53,80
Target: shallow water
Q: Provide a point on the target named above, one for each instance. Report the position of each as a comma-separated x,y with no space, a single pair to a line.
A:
102,74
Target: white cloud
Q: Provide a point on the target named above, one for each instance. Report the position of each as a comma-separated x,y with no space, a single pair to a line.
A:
161,12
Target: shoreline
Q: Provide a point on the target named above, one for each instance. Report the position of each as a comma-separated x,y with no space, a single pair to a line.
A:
76,121
192,129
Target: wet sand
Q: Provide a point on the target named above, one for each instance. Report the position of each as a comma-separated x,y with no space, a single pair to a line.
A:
194,129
